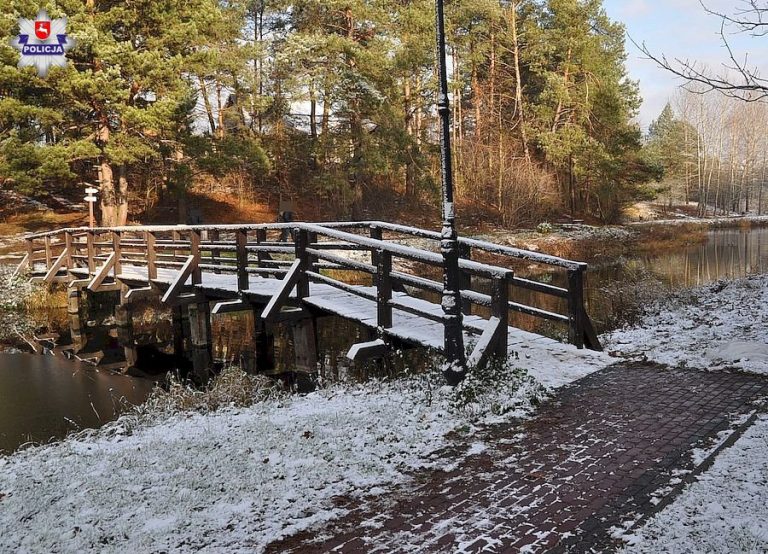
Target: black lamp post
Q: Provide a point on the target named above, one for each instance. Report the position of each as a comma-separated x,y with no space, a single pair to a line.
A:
449,244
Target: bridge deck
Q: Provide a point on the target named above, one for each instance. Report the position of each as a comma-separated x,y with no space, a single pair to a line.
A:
530,351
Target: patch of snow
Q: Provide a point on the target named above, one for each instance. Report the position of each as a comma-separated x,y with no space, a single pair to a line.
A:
722,325
230,481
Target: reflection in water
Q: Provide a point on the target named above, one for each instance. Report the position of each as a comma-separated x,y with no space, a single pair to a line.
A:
727,254
45,397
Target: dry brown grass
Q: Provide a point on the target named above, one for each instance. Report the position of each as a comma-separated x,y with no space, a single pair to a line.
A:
14,225
44,298
231,388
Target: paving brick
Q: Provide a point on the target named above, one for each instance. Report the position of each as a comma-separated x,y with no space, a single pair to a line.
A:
592,458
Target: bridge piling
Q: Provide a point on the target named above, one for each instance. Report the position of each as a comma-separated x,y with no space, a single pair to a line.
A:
200,339
124,323
74,314
305,344
264,340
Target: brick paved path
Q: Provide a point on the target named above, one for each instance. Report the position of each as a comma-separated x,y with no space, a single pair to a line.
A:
590,460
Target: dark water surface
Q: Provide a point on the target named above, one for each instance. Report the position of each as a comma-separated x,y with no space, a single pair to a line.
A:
46,397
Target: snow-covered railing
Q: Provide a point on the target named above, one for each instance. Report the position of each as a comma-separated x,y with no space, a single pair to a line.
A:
333,254
580,329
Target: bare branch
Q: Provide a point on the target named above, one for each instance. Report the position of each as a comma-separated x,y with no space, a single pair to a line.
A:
748,84
759,14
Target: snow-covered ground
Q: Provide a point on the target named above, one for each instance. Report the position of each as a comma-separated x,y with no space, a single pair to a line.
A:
718,326
725,510
723,325
237,479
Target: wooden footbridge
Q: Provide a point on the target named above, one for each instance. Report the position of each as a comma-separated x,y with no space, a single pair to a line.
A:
382,276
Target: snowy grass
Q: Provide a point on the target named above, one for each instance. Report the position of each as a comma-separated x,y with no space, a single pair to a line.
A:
239,478
722,325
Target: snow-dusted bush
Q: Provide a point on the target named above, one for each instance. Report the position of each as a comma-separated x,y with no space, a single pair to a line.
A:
544,228
232,388
498,389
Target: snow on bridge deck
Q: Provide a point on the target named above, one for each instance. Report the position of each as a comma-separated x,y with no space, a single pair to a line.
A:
538,354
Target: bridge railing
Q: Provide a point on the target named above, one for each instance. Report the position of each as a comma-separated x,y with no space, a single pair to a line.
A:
581,332
272,250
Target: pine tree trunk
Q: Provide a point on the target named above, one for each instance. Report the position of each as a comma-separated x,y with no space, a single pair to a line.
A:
312,111
410,166
207,103
518,82
220,108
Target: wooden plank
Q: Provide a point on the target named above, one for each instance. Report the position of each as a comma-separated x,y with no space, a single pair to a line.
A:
79,283
194,250
281,296
102,273
31,254
151,255
117,249
591,340
48,256
91,252
22,266
140,293
68,249
500,311
363,351
576,308
486,344
179,281
241,240
54,269
229,306
383,289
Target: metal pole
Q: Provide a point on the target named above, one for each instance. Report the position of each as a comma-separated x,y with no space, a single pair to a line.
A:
449,244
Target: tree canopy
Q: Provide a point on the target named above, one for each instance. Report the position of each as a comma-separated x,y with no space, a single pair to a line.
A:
328,98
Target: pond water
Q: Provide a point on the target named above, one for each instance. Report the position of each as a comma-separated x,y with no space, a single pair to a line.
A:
43,397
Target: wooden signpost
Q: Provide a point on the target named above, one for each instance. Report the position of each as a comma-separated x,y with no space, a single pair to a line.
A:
90,197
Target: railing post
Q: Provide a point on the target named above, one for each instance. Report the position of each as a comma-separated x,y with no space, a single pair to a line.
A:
312,261
302,240
241,255
68,247
383,290
150,238
90,237
47,252
576,307
376,234
176,238
194,250
500,309
30,254
465,278
261,237
213,236
116,236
